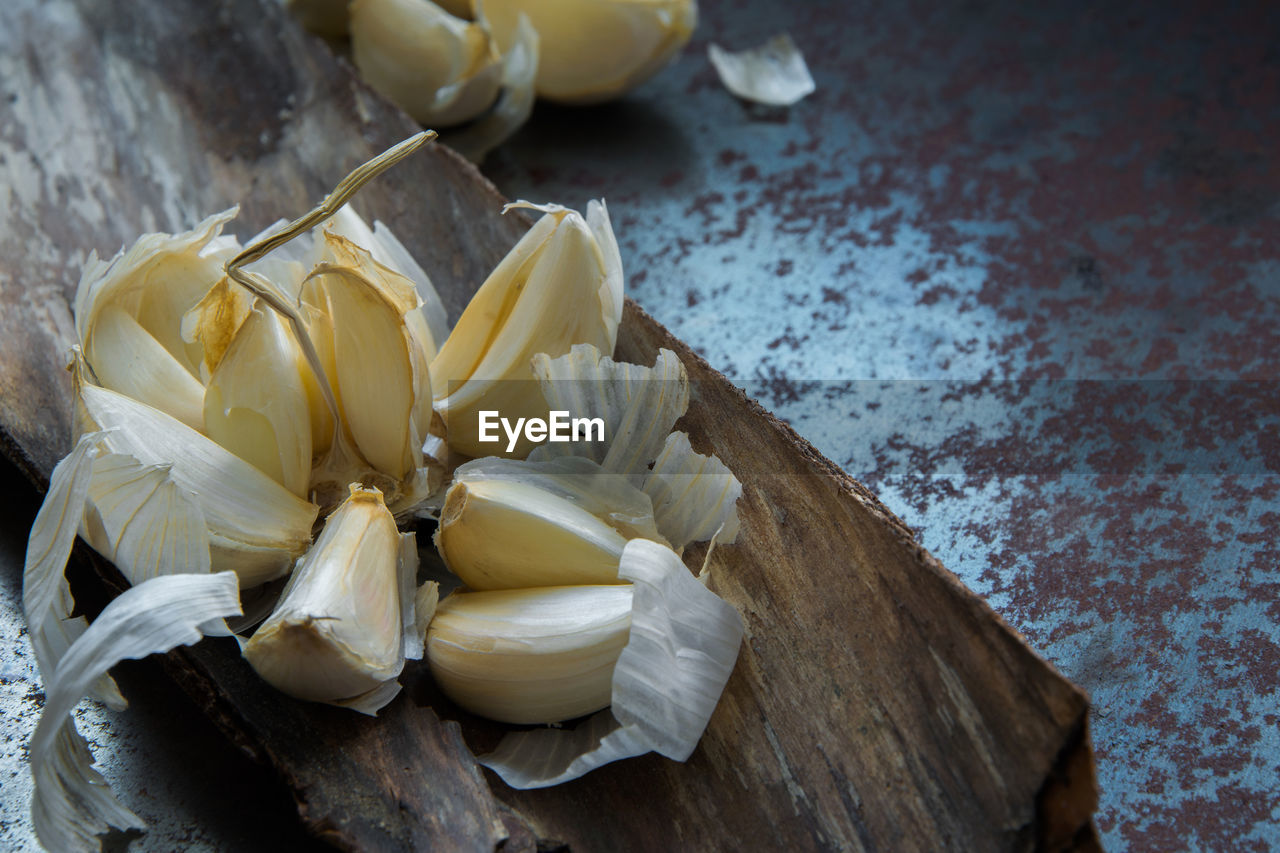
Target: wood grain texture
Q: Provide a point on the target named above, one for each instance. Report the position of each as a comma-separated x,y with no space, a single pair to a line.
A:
876,704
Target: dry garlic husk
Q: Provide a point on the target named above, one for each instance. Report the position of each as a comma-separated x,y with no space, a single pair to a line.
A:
694,497
560,285
345,622
508,523
773,74
638,405
72,804
129,314
439,69
595,50
680,650
530,655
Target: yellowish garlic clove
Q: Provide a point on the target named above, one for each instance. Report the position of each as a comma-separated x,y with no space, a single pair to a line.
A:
530,655
337,632
255,404
129,314
595,50
440,69
255,526
560,285
374,347
497,534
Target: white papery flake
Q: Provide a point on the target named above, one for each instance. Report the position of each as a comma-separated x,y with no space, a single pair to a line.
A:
773,74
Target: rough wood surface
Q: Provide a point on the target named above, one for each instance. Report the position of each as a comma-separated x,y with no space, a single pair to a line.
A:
876,704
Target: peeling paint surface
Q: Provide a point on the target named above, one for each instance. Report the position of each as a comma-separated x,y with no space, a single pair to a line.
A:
1015,267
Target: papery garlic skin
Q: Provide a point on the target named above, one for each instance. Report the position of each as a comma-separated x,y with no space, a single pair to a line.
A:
560,285
439,69
531,655
337,632
596,50
129,314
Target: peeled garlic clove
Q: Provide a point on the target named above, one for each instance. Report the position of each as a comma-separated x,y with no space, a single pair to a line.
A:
595,50
256,402
256,527
337,632
508,524
560,285
439,69
530,655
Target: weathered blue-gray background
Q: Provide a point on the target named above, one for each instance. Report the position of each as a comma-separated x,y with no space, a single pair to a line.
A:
1016,267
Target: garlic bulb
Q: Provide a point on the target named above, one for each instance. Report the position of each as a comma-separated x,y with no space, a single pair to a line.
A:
530,655
337,634
439,69
595,50
560,285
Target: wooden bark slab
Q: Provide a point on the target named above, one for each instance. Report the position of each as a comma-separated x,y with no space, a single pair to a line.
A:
876,704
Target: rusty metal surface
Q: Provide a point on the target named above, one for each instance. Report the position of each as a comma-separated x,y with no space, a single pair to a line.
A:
1016,267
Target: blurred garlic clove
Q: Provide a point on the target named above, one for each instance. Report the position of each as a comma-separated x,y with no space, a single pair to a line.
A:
129,314
560,285
338,632
255,404
595,50
439,69
530,655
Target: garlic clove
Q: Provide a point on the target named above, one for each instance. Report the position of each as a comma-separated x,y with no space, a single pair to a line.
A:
595,50
439,69
128,359
337,632
156,281
256,403
560,285
498,534
256,527
530,655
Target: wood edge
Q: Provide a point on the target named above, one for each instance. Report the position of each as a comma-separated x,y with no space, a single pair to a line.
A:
853,488
1069,796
